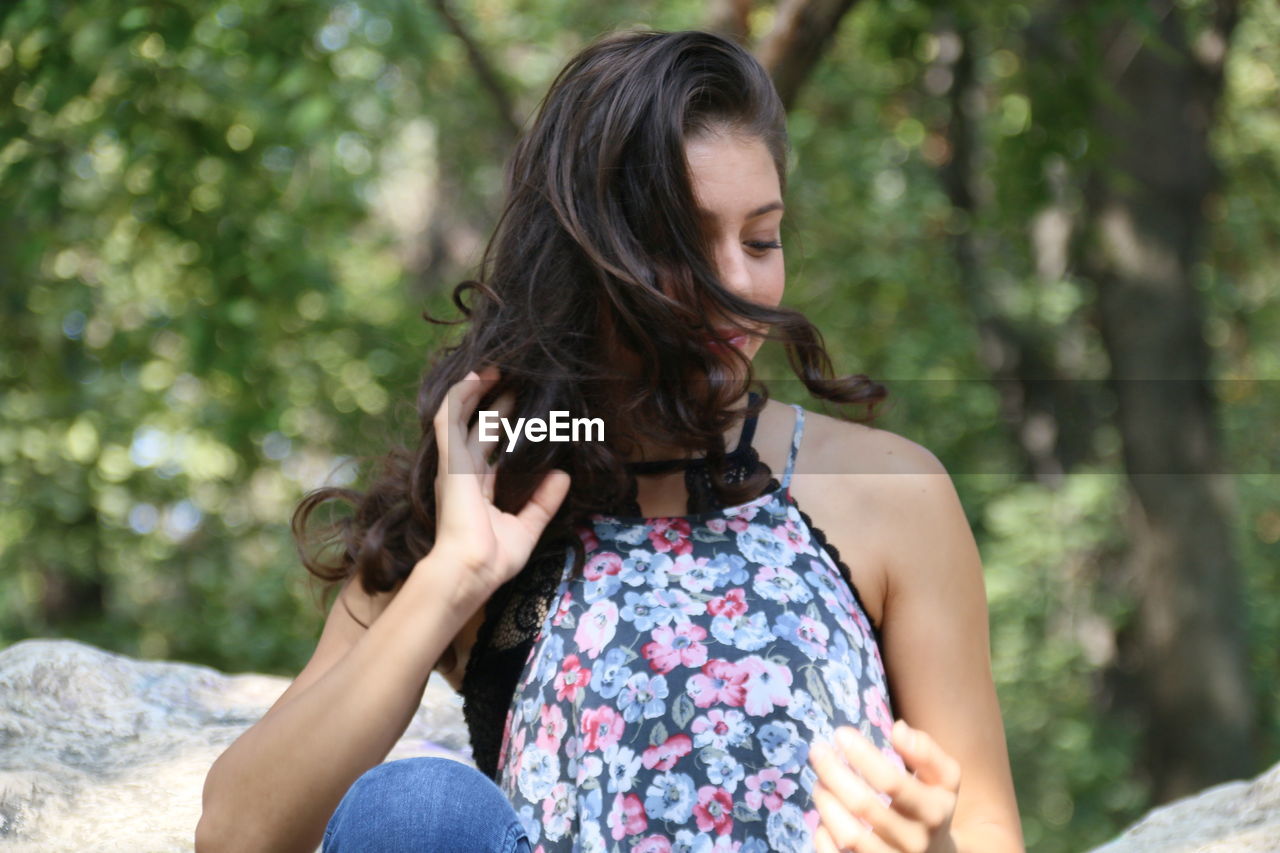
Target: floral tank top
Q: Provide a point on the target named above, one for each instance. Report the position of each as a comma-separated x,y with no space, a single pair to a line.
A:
673,690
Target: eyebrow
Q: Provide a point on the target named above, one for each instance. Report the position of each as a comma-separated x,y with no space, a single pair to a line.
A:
758,212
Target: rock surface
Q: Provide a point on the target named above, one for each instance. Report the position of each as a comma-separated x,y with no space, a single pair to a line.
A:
1234,817
102,752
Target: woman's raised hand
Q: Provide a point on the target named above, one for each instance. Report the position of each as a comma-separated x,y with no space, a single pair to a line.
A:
483,544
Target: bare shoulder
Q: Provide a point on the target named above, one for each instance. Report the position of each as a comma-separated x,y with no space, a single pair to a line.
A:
869,490
836,446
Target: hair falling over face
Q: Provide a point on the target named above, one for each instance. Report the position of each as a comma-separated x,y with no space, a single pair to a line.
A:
600,293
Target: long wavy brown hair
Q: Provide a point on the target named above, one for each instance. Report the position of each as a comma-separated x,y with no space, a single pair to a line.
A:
598,250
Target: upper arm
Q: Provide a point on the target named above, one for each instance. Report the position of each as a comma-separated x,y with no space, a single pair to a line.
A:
936,637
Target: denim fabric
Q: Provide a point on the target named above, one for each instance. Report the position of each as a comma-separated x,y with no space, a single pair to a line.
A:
415,805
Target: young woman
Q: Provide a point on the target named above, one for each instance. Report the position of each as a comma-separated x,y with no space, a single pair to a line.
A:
658,646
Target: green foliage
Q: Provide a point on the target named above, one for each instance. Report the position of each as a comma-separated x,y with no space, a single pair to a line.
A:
222,223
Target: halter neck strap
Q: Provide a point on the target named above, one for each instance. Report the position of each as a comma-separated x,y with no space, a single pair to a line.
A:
796,434
662,466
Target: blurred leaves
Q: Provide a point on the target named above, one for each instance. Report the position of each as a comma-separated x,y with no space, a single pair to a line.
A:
221,223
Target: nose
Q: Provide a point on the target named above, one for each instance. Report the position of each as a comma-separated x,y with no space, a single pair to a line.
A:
733,271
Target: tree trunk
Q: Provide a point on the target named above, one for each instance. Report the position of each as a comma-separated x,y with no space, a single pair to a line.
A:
1186,648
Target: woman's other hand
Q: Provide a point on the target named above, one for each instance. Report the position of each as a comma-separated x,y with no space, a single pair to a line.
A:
484,545
893,809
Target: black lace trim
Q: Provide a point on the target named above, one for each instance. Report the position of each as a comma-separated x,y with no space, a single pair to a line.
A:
513,615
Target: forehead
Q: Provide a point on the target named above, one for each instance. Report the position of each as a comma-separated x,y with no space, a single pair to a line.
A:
732,175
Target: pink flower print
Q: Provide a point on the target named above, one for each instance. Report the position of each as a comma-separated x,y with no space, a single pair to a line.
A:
770,787
720,728
793,535
714,809
601,727
551,728
812,817
562,610
587,534
729,605
601,564
517,748
653,844
665,755
571,678
716,525
671,534
672,647
738,525
767,684
627,816
719,681
597,627
557,809
877,708
588,768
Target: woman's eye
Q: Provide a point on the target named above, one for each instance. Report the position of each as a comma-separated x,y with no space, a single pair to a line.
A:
761,245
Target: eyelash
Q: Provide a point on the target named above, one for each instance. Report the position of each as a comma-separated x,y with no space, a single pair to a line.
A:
759,245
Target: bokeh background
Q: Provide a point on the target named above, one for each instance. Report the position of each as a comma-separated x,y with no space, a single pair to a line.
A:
1050,227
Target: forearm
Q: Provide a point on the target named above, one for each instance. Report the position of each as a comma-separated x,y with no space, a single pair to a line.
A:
277,785
987,838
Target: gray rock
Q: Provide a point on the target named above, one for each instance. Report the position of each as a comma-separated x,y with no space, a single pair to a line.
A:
1234,817
102,752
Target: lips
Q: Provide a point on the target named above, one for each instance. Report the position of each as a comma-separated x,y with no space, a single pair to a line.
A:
725,339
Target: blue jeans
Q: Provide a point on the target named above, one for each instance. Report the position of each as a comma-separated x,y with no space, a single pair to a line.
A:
429,803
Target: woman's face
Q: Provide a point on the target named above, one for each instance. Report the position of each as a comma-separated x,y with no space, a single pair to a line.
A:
740,202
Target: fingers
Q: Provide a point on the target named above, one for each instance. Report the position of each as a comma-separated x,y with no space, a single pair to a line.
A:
487,453
545,500
845,830
852,805
932,765
451,419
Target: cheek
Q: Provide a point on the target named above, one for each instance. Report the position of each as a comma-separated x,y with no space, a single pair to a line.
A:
771,282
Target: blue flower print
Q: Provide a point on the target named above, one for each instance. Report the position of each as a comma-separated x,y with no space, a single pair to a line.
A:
682,606
723,769
759,545
695,577
781,743
589,804
804,632
804,710
726,656
688,841
532,826
642,696
746,631
624,764
672,797
538,773
605,586
549,664
645,569
610,672
643,611
788,833
730,569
